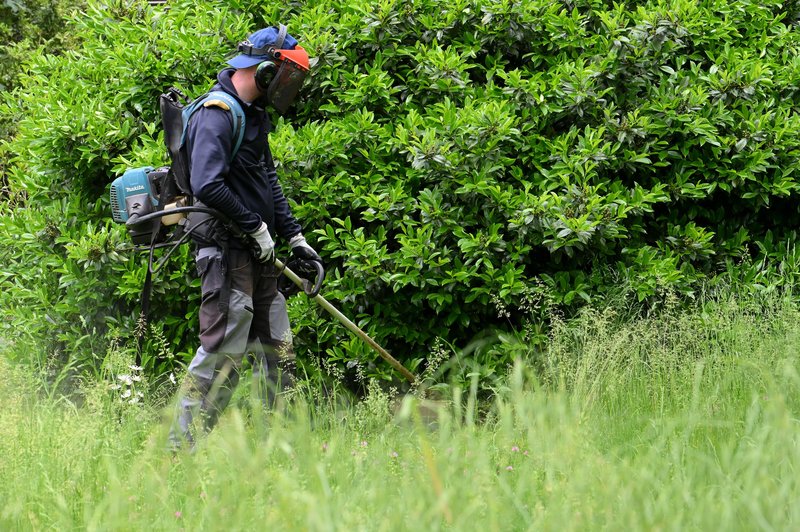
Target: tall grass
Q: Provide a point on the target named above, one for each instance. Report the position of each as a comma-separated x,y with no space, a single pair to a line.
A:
684,421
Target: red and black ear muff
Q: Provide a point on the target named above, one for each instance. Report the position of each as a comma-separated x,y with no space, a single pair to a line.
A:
265,73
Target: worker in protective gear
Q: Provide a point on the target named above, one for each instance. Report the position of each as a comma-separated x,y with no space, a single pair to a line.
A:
242,312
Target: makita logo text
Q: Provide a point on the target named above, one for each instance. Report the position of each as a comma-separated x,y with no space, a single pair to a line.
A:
134,189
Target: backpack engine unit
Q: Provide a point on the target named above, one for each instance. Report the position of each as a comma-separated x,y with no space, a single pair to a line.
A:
141,192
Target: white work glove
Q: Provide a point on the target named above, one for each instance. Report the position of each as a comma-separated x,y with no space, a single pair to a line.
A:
264,245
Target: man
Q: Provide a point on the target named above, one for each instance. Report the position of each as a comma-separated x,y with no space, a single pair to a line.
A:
242,310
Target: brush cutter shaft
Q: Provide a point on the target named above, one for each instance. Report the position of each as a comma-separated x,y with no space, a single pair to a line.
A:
333,311
301,283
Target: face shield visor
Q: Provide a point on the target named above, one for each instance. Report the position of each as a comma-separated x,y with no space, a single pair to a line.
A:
290,70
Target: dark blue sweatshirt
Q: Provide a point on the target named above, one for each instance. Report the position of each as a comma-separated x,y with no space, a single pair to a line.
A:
247,189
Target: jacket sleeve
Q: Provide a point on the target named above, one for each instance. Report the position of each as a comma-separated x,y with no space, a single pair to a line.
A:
286,224
209,144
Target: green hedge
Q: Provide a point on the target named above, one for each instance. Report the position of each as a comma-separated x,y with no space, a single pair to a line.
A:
463,166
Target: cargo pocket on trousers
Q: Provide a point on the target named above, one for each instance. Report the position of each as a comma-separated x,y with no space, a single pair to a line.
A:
211,270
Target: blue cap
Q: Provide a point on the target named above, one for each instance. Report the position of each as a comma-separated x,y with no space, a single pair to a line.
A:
263,38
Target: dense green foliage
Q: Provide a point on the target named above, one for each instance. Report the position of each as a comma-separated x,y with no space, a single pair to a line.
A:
684,422
463,166
30,27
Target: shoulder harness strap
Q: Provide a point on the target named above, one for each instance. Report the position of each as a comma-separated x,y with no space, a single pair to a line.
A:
224,101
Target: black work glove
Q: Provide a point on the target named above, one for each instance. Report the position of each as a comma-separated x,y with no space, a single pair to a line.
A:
301,250
302,263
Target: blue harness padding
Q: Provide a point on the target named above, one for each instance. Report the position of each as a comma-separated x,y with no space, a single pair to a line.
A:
224,101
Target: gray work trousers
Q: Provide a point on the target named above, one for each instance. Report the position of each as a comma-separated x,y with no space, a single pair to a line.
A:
241,313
